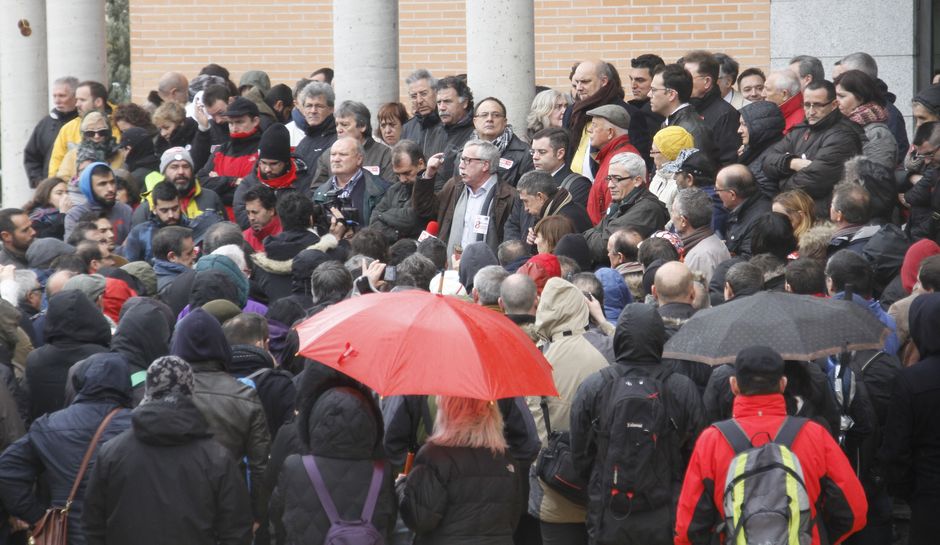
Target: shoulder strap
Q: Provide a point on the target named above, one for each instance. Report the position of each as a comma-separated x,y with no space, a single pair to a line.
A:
789,430
258,373
873,358
733,433
548,422
313,472
368,508
88,454
569,179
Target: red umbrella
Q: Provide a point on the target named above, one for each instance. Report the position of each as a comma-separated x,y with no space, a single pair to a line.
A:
414,342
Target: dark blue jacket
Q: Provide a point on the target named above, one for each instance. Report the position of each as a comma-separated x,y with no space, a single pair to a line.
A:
54,447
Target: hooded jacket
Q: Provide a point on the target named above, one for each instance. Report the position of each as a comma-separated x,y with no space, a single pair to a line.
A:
232,409
343,431
216,262
56,443
911,446
829,143
272,271
837,500
275,386
638,345
765,126
616,293
119,213
141,337
75,329
475,257
561,319
131,500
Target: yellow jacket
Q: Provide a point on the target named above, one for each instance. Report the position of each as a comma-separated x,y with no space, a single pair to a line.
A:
69,137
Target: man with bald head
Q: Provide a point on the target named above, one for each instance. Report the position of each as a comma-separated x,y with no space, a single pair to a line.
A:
350,183
173,87
519,299
745,203
674,290
783,89
597,83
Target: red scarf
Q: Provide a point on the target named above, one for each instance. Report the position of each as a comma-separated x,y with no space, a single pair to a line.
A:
256,238
282,181
238,135
869,112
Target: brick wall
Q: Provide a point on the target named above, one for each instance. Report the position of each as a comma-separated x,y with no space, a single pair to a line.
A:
292,38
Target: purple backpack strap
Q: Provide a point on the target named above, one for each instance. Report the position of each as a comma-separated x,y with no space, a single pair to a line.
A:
313,472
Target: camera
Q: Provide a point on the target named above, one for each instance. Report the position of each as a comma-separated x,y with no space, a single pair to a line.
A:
351,215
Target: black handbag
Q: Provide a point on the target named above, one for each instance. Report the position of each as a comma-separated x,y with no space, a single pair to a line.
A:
554,465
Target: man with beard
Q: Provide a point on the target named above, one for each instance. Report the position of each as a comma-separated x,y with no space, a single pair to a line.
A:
39,147
455,108
16,234
276,170
317,124
99,186
235,159
177,167
165,210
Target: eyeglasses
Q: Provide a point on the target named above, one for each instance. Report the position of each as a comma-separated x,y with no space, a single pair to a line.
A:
493,115
810,106
100,133
423,94
719,190
618,179
468,160
930,154
664,89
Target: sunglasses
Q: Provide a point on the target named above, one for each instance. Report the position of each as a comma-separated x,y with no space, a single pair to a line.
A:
100,132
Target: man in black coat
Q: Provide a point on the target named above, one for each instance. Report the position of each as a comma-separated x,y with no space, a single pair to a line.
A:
720,116
39,146
638,345
912,431
316,101
670,96
52,451
425,127
131,497
539,197
550,154
75,329
395,214
812,156
745,203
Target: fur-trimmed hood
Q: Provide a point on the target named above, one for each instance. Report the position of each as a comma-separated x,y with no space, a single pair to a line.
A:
283,267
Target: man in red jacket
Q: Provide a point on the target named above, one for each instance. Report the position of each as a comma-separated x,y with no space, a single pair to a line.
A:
608,133
760,410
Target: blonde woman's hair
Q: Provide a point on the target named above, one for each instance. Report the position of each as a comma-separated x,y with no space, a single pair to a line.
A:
465,422
542,106
798,201
91,118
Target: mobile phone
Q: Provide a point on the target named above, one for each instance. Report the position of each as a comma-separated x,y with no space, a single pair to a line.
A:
390,274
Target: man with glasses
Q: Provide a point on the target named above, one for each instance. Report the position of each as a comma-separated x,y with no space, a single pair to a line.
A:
669,97
489,120
316,101
608,133
633,204
89,96
920,197
812,156
472,206
720,117
425,127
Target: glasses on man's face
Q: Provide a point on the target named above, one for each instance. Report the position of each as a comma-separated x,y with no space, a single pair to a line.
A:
923,156
468,160
420,94
100,133
614,178
493,115
810,106
659,89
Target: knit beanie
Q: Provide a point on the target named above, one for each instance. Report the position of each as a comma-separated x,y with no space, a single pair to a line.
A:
671,140
916,254
275,144
169,379
929,98
175,154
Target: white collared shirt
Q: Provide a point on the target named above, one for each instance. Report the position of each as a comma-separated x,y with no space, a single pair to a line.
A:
475,200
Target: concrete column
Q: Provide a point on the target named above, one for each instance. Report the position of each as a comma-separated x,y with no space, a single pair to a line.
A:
24,93
501,54
77,40
365,52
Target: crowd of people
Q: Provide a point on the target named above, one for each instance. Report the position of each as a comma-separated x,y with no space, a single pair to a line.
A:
151,289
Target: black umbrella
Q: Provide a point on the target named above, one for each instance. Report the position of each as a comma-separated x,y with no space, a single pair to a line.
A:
799,327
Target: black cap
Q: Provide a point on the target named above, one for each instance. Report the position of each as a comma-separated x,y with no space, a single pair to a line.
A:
242,106
133,137
275,144
698,164
759,362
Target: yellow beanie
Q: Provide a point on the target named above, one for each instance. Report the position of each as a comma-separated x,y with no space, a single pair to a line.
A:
671,140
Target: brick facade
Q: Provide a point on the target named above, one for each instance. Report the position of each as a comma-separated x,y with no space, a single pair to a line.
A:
291,39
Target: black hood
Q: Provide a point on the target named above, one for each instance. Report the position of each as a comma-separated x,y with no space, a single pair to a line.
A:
246,359
103,377
765,126
212,284
640,335
142,155
143,333
925,322
344,422
288,244
72,318
162,423
303,266
199,338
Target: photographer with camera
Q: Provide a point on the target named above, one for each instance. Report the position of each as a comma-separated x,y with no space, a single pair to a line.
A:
351,189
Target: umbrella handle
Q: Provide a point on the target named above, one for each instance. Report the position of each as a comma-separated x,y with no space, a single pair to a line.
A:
409,463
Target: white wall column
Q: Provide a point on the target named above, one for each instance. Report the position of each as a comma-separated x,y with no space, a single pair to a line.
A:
77,40
365,52
501,54
24,93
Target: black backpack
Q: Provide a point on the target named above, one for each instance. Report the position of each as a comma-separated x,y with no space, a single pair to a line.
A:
637,440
